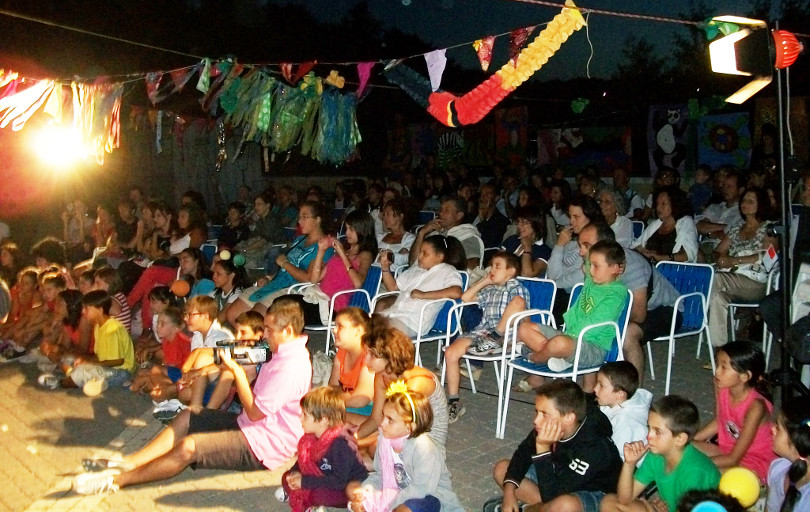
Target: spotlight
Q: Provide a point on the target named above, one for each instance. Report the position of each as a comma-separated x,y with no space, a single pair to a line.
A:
751,50
57,146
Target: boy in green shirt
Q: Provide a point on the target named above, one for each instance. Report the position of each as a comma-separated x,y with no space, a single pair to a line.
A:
673,464
114,356
601,299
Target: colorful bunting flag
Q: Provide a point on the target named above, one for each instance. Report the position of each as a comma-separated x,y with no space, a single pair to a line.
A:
516,40
436,61
483,47
363,73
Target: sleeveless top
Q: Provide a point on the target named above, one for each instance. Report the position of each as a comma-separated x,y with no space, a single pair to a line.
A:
336,279
730,421
349,376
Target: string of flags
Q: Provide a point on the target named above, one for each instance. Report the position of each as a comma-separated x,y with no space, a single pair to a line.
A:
284,109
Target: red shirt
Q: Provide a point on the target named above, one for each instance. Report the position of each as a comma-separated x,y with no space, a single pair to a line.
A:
176,350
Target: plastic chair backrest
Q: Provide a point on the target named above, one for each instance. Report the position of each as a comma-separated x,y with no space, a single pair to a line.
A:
426,216
541,293
209,250
441,319
638,229
214,230
337,213
688,278
289,234
796,208
371,285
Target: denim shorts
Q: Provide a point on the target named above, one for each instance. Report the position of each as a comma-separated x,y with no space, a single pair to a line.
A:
427,504
590,499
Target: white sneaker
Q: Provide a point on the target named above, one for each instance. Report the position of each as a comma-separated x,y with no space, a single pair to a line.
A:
558,364
48,381
281,495
95,387
95,483
168,405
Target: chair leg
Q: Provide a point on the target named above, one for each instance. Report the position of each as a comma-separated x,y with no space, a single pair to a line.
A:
735,324
670,355
499,378
711,350
417,360
650,359
469,372
328,335
767,341
506,392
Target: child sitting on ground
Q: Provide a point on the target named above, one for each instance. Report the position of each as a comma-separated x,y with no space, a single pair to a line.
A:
107,279
327,456
601,299
75,338
743,410
249,330
199,370
567,462
350,373
499,295
114,358
623,402
32,323
160,298
788,477
173,351
409,468
673,464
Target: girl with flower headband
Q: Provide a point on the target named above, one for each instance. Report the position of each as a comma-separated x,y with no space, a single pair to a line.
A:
410,472
230,278
788,476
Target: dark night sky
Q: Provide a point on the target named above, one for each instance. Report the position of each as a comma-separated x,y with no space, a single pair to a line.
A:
448,22
440,23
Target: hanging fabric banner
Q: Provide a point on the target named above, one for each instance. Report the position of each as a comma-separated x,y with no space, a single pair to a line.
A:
363,73
516,40
436,61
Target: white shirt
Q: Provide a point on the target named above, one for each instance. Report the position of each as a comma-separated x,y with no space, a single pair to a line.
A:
215,333
406,309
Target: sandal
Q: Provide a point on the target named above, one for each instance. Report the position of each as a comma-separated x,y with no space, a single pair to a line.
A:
523,386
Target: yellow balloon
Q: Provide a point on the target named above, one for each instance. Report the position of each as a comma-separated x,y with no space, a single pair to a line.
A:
740,483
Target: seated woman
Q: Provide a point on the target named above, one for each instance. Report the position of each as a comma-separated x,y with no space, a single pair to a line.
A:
230,280
614,209
349,370
391,358
529,244
398,240
294,267
560,195
672,236
193,229
436,276
740,275
193,266
345,270
235,229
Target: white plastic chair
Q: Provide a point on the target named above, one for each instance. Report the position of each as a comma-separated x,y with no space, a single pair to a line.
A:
767,339
518,362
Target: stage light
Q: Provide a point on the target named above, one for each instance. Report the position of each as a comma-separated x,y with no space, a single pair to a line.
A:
57,146
750,49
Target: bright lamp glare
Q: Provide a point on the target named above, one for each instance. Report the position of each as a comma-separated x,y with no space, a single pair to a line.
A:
723,55
57,146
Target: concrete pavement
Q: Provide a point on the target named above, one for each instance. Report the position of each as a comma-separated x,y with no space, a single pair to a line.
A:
45,434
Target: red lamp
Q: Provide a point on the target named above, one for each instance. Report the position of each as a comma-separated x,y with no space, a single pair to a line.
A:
788,48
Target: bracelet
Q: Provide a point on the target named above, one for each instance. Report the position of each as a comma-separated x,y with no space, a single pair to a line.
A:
386,271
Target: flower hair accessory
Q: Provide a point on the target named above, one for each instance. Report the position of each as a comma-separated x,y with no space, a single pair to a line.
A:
238,258
399,387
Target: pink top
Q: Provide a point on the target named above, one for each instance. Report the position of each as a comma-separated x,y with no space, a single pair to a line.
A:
336,279
278,390
730,421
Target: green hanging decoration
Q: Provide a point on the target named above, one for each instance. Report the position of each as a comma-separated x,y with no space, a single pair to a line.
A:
713,28
578,105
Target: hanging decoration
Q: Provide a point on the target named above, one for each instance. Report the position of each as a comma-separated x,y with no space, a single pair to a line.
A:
436,62
483,48
363,74
516,40
455,111
18,108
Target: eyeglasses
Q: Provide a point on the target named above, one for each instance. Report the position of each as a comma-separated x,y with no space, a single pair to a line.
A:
305,217
189,315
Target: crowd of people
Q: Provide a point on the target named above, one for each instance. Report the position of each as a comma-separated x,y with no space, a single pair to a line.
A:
208,321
